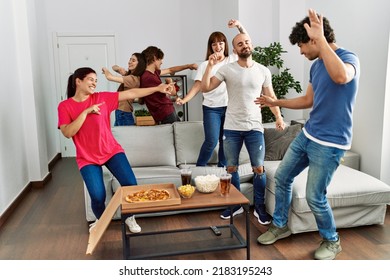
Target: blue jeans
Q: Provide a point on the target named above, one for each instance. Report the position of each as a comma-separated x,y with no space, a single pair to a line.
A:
213,120
92,175
123,118
254,143
322,162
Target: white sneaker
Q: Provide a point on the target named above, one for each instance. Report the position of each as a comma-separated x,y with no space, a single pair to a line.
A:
92,225
132,224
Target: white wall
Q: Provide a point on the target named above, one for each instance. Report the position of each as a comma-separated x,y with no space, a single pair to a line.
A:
28,123
23,146
385,160
13,166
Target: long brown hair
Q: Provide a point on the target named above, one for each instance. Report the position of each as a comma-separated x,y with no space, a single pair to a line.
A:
138,71
214,38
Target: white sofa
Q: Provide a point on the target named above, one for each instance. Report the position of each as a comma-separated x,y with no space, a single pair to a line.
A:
156,154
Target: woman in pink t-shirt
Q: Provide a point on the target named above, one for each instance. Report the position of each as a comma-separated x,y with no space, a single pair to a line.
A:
85,117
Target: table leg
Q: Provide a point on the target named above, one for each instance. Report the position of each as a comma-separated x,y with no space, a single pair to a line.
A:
247,225
124,238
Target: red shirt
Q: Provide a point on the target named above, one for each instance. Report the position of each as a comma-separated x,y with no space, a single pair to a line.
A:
94,142
159,104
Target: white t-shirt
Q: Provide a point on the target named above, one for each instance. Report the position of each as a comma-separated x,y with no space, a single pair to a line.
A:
243,86
218,96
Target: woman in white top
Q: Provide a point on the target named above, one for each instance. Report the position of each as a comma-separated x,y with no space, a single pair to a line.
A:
215,101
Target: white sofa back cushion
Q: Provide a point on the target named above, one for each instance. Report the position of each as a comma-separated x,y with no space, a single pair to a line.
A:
147,145
189,137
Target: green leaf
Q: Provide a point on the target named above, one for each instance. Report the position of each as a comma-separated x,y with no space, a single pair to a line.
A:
282,81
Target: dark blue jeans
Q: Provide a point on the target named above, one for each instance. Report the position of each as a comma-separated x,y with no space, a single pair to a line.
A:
123,118
92,175
254,143
213,120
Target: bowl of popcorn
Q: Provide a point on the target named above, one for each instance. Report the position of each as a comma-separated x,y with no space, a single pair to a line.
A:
206,184
186,191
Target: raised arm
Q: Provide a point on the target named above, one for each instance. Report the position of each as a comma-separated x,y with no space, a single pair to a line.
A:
301,102
172,70
141,92
340,72
110,77
120,70
210,82
235,23
190,94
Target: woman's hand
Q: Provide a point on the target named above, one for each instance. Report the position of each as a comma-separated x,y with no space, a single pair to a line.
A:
94,109
180,101
106,73
215,58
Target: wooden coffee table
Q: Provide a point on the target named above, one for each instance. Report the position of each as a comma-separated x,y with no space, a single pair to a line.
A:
174,242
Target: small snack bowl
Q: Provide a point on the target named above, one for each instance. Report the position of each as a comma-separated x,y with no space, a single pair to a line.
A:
206,184
186,191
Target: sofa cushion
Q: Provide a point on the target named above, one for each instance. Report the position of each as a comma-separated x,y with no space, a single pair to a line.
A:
349,187
189,137
277,142
154,175
147,145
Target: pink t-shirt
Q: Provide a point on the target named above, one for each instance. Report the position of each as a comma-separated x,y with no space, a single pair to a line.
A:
94,142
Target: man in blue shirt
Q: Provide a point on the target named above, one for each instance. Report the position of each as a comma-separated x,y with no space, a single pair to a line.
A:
331,93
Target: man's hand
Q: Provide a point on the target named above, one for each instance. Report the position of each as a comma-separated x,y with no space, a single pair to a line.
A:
233,23
266,101
279,124
315,30
167,88
193,66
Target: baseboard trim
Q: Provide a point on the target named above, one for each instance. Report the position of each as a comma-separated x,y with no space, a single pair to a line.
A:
8,212
35,184
53,162
41,184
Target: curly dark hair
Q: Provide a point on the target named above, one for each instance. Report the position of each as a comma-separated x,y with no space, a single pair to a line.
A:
299,34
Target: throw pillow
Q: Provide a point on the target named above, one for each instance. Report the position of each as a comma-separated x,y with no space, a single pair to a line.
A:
277,142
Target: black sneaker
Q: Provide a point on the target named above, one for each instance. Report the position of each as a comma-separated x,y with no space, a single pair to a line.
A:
262,216
236,210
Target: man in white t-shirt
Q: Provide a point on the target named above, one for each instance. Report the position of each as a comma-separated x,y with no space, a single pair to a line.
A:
245,81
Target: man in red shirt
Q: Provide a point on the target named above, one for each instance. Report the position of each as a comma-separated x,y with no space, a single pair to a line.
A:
159,104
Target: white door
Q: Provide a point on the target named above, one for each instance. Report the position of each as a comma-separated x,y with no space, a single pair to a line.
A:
75,51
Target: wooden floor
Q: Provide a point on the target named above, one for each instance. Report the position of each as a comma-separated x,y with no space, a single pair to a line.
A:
50,224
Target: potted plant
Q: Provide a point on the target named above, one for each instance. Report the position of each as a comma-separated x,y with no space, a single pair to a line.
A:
143,117
282,81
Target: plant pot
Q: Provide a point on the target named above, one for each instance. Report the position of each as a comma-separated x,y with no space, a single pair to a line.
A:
144,121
